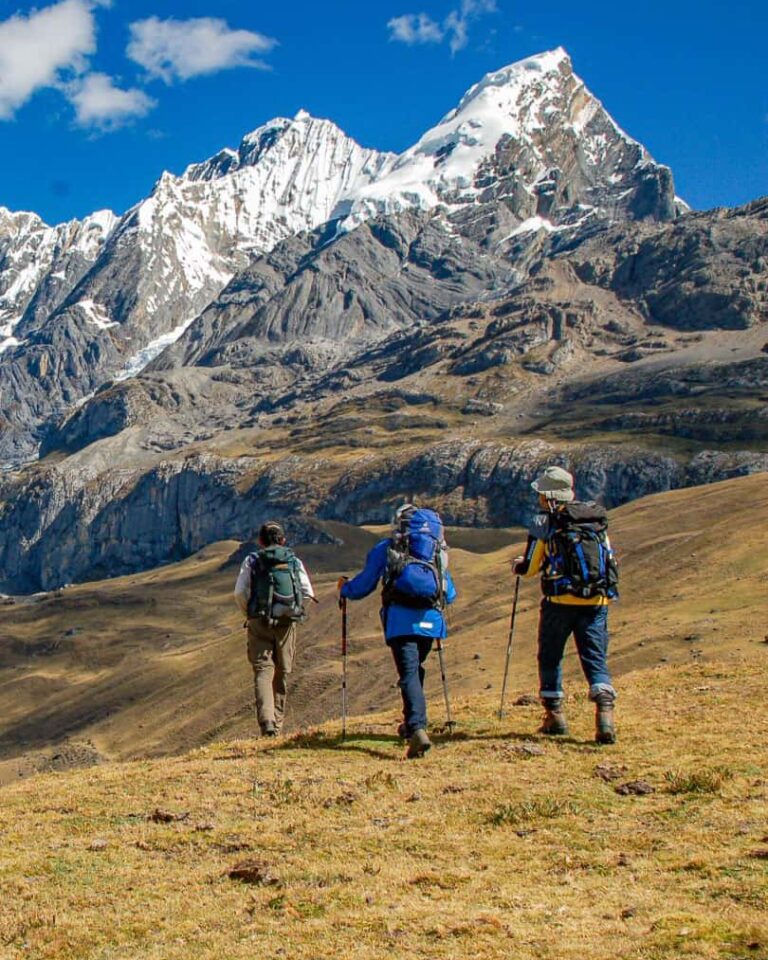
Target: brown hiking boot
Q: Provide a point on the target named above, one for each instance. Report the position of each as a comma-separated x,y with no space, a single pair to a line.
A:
554,724
605,731
418,744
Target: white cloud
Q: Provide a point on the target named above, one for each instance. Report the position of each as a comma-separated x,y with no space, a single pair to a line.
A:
458,21
415,28
179,49
457,27
473,8
52,47
38,50
412,28
99,103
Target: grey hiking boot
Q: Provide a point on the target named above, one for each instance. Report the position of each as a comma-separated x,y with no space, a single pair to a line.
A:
554,724
605,731
418,744
268,729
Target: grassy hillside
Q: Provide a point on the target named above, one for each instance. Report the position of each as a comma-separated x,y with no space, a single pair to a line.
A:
496,845
155,663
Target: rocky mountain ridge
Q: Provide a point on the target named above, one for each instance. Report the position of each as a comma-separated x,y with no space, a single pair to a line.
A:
459,407
528,150
445,350
79,524
39,265
163,262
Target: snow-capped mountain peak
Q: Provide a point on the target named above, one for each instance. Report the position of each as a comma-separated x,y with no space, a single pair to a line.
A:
511,80
40,264
528,147
510,135
282,140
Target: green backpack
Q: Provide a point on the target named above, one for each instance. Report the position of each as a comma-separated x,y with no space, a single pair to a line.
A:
276,594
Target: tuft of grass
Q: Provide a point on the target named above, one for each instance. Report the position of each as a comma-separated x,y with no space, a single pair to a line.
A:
381,778
530,811
699,781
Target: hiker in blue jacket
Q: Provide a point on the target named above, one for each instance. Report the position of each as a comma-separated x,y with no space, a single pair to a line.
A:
412,564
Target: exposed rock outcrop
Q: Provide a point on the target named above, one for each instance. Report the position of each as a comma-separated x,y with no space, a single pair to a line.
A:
709,270
63,526
387,274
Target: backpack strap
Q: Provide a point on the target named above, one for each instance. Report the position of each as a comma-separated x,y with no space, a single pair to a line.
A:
298,593
256,567
440,575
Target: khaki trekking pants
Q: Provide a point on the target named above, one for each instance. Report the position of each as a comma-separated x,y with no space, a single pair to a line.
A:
271,651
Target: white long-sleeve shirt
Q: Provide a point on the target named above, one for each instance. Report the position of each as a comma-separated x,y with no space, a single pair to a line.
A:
243,585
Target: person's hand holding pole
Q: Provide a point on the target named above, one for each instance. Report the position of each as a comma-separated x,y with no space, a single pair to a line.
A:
339,584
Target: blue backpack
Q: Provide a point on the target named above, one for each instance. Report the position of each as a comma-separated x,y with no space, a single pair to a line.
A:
417,561
580,561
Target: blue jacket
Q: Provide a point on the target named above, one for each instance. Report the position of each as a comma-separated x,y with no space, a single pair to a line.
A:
397,621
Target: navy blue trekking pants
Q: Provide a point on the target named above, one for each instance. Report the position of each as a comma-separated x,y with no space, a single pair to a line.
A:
410,653
589,626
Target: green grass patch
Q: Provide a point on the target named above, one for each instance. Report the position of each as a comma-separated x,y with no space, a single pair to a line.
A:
700,781
531,811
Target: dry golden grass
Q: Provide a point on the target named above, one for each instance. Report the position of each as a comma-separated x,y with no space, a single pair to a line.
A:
157,662
497,844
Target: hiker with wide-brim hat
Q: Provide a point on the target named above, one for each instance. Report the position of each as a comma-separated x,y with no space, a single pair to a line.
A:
412,565
568,547
271,590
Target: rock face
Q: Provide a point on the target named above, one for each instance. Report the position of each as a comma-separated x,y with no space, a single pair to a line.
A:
708,271
477,484
70,525
117,521
387,274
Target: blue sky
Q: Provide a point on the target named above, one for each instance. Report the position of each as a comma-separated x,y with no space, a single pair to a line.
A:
98,97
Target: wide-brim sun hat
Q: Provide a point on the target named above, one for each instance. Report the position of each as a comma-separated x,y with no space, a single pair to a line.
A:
554,483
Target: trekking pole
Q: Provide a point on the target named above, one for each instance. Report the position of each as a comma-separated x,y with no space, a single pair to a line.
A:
450,723
509,647
343,605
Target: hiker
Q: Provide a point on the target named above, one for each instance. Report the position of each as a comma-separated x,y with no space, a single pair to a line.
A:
413,566
271,590
568,545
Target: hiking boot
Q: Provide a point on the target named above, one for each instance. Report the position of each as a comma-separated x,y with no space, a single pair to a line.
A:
268,729
402,730
605,731
554,724
418,744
